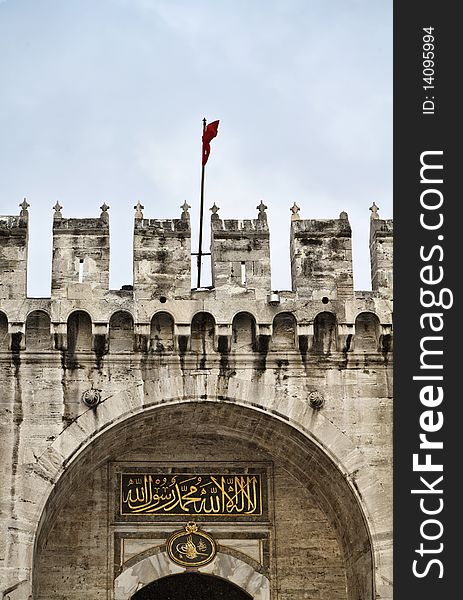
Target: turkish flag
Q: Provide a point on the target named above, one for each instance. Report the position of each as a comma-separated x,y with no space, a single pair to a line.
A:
209,134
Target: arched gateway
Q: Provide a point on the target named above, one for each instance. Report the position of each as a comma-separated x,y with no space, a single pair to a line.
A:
191,586
305,515
239,576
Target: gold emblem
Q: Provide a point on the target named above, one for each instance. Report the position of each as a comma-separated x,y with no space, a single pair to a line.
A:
190,547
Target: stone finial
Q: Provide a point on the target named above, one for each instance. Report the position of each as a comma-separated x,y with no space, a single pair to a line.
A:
139,210
185,214
374,211
262,216
295,212
344,216
57,208
24,206
261,208
104,212
215,209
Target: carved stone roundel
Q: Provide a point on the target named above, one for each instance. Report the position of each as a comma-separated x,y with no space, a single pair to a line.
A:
91,397
316,399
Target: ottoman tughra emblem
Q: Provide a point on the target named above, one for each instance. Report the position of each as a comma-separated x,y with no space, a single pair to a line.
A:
191,547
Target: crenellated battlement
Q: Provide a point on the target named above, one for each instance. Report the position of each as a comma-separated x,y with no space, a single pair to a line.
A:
240,255
322,312
80,261
14,235
79,227
11,223
321,257
165,227
238,227
381,248
161,256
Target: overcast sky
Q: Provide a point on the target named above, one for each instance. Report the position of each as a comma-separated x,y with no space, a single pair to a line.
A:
103,101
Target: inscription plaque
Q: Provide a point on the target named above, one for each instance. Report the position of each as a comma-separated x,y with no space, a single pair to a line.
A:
188,494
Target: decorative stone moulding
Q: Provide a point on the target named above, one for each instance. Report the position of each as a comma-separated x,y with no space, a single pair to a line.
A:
91,398
316,400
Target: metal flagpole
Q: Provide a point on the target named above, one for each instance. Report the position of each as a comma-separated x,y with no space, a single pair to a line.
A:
201,209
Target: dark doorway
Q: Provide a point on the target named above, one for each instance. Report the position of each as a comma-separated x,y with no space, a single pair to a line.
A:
191,586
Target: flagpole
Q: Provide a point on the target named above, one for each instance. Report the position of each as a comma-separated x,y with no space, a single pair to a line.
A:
201,209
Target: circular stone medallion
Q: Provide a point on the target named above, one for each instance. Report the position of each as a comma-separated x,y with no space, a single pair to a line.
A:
190,547
91,398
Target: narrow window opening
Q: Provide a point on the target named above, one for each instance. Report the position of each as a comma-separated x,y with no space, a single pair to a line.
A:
243,273
81,270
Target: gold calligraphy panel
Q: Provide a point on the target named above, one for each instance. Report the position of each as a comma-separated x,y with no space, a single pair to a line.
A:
190,494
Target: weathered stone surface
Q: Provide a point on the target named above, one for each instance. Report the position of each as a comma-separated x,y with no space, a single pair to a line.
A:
321,258
212,376
381,238
240,256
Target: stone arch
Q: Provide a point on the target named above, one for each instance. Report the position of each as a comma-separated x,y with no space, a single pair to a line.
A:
284,332
4,336
243,332
121,332
162,332
367,332
79,332
203,333
325,333
38,334
238,570
200,586
310,444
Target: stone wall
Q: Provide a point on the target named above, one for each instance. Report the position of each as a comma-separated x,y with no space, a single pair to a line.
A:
299,379
302,551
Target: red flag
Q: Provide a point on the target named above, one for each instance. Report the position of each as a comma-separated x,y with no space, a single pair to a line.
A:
209,134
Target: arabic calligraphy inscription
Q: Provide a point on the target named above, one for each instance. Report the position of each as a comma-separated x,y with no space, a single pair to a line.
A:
190,494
